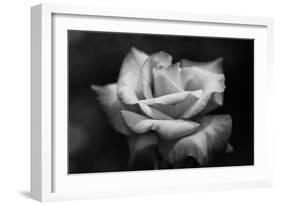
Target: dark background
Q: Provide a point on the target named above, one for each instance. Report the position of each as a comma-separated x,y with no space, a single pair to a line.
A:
96,57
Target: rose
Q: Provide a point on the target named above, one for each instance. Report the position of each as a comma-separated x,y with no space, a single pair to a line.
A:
159,104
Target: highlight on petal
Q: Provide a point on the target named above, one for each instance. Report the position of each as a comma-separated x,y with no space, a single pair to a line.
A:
212,66
166,129
211,138
107,97
143,152
203,79
126,91
133,62
167,99
128,88
157,60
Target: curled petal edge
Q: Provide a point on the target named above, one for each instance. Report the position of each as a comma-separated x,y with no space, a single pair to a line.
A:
107,97
166,129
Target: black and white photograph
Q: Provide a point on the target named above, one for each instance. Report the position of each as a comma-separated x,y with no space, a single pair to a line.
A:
154,101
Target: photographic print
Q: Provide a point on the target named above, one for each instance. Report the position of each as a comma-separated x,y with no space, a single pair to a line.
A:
153,101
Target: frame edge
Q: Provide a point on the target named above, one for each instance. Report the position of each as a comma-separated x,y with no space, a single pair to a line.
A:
36,109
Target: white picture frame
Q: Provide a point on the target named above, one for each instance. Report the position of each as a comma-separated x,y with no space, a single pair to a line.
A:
49,178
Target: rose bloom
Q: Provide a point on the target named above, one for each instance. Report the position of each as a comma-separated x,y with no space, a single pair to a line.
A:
165,106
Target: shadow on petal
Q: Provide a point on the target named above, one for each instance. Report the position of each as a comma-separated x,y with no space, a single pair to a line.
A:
188,162
144,153
146,159
211,138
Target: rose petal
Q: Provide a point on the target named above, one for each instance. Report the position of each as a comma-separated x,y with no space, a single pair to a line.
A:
181,79
143,151
153,113
203,79
133,62
163,85
126,91
107,97
215,101
167,129
208,77
129,91
168,106
157,60
211,138
212,66
207,102
167,99
173,74
177,109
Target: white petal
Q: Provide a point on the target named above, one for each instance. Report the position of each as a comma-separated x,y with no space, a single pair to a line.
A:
207,102
206,76
167,99
160,59
203,79
128,88
126,92
166,129
173,74
212,66
153,113
107,97
163,85
180,76
211,138
216,100
209,78
174,105
133,62
189,102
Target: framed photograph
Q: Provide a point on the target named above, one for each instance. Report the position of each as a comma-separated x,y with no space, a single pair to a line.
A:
137,102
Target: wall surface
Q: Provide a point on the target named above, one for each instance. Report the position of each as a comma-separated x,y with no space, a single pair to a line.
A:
15,102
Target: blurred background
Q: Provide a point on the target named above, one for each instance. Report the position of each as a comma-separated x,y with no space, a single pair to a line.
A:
96,57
